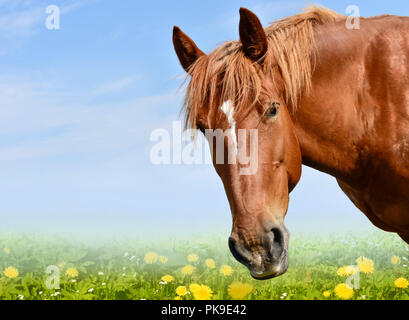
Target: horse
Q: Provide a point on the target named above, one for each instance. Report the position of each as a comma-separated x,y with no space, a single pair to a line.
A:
320,94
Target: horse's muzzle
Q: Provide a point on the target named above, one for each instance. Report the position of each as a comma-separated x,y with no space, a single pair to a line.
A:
265,259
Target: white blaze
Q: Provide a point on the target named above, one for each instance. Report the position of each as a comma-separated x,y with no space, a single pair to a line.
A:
228,109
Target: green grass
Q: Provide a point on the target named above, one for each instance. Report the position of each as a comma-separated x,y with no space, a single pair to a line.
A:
117,270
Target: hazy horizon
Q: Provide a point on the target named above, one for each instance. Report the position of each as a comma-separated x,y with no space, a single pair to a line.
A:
78,106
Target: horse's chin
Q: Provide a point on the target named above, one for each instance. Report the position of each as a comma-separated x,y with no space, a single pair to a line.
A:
268,275
271,272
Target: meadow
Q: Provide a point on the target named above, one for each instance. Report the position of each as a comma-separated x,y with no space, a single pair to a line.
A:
199,268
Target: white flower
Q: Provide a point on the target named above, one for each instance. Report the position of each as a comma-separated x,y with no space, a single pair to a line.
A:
163,282
40,293
100,273
56,294
91,290
77,291
284,294
131,258
126,254
124,274
73,281
104,284
21,297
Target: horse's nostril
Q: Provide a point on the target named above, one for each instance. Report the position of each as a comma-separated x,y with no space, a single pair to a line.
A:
278,235
236,252
277,244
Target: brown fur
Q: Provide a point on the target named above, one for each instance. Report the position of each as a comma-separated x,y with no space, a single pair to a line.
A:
343,99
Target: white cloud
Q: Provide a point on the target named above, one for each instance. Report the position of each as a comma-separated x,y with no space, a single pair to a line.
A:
115,86
36,122
20,23
21,19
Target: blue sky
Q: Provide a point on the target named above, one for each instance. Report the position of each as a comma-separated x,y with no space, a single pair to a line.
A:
77,106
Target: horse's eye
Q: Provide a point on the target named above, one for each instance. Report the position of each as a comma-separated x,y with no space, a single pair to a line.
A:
273,111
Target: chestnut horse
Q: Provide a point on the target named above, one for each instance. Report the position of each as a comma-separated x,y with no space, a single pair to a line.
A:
320,94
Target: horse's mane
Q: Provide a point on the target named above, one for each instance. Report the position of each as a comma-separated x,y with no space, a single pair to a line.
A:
291,48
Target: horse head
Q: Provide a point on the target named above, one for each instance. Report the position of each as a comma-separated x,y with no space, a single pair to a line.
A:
238,90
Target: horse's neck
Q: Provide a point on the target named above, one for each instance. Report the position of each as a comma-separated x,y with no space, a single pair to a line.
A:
331,119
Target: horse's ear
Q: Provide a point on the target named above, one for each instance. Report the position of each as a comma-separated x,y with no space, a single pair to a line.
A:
185,48
252,35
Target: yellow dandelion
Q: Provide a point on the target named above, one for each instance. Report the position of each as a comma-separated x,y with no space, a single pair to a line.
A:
401,283
346,271
188,270
395,260
71,272
192,258
151,257
177,298
210,263
181,290
202,292
238,290
193,287
6,250
11,272
326,294
226,270
163,259
343,291
167,278
365,265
